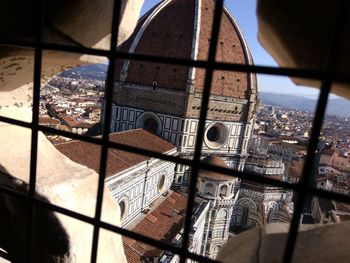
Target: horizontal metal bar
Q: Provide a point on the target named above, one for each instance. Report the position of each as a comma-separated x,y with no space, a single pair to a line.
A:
252,177
259,69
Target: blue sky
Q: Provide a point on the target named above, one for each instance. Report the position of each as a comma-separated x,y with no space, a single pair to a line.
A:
245,15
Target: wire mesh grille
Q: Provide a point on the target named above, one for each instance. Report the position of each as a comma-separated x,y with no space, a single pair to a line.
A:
303,188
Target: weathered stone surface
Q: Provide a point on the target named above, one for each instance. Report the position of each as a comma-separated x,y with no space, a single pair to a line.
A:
59,180
315,243
298,34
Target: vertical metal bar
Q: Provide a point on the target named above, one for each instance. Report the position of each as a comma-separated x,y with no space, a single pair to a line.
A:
40,5
106,125
202,118
307,176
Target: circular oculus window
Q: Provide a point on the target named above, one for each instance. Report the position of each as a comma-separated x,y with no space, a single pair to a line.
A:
149,122
216,135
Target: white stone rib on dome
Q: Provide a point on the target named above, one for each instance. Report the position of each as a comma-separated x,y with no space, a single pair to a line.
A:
123,73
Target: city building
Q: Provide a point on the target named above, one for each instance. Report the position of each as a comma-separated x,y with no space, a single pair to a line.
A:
166,99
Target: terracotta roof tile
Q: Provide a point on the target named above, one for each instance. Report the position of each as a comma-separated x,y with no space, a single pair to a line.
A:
170,33
163,229
88,154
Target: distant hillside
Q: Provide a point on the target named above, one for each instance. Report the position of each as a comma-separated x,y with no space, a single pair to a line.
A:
93,71
336,106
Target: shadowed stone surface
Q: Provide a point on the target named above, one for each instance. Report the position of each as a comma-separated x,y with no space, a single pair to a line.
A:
298,34
315,243
59,180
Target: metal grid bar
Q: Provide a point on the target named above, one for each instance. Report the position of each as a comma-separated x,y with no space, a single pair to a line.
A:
215,29
39,10
307,177
259,69
210,66
106,125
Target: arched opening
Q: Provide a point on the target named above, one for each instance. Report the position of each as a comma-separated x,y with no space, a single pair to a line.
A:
123,212
269,215
217,248
245,215
161,183
223,190
223,213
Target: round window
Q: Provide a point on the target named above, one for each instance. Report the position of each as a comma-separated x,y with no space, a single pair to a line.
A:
213,134
150,122
151,125
216,135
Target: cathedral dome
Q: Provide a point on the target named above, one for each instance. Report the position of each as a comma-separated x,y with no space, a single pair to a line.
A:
182,29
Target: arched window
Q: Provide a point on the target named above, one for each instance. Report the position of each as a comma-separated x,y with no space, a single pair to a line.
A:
223,190
161,183
269,215
245,215
217,248
123,210
223,213
209,189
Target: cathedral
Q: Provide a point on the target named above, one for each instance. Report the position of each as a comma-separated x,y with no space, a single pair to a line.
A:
166,99
156,106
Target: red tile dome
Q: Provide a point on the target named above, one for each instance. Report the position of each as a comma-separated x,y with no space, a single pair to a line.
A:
182,29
